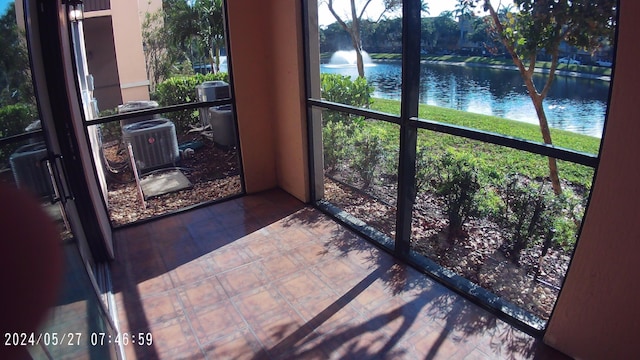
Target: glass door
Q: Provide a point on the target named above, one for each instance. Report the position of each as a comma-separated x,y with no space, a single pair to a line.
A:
45,150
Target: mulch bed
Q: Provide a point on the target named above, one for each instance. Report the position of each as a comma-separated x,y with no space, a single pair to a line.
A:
213,171
475,255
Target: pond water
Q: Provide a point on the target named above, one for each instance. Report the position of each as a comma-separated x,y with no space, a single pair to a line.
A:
574,104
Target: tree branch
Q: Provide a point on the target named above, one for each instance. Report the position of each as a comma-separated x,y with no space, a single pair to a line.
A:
338,19
552,74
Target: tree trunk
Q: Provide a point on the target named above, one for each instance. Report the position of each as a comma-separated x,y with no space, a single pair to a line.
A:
359,62
546,135
355,39
536,97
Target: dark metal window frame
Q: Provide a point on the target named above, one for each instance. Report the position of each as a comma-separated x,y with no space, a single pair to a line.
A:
409,124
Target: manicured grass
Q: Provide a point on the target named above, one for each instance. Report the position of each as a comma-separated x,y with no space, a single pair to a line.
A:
502,159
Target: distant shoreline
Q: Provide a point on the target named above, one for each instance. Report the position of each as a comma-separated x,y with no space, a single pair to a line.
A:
589,72
514,68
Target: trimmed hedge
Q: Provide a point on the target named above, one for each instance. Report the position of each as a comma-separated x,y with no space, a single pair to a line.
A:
180,90
13,120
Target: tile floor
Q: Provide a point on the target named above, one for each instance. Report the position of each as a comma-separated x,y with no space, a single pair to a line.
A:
264,277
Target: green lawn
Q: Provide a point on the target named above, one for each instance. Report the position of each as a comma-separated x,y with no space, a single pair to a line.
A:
503,160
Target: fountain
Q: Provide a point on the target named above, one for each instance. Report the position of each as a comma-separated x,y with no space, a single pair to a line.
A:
342,58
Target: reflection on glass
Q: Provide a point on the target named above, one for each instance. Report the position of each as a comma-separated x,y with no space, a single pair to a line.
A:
490,215
78,318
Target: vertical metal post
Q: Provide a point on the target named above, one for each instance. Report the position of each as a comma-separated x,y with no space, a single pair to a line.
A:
314,115
408,134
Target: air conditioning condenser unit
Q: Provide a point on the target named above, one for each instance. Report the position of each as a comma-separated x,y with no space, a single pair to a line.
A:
154,143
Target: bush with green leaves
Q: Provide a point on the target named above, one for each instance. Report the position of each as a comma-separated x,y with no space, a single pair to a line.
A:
458,181
15,118
368,155
180,90
568,219
340,130
336,144
13,121
425,168
342,89
531,215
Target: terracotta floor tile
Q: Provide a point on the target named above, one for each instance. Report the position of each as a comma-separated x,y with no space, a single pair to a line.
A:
191,272
174,339
160,308
178,254
281,330
301,286
291,238
204,229
216,322
477,355
325,314
260,303
358,342
438,344
155,285
196,215
339,274
258,245
313,253
278,266
372,297
243,278
237,345
307,349
237,232
263,277
228,258
202,294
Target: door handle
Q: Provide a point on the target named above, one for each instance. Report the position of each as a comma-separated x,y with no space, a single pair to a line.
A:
61,190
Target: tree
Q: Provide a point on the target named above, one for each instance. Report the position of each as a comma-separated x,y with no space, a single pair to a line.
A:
159,55
15,75
196,28
210,29
463,12
542,25
424,7
352,26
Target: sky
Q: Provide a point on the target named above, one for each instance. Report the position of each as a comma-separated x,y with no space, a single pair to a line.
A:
3,6
374,9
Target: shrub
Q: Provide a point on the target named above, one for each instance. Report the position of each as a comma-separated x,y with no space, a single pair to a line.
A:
339,128
13,121
530,212
458,182
15,118
335,142
180,90
570,209
110,131
341,89
425,168
369,153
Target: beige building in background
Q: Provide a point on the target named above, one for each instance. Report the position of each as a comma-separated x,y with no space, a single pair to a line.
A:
115,55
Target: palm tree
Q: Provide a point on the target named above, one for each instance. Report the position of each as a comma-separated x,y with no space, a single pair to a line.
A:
463,12
424,7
